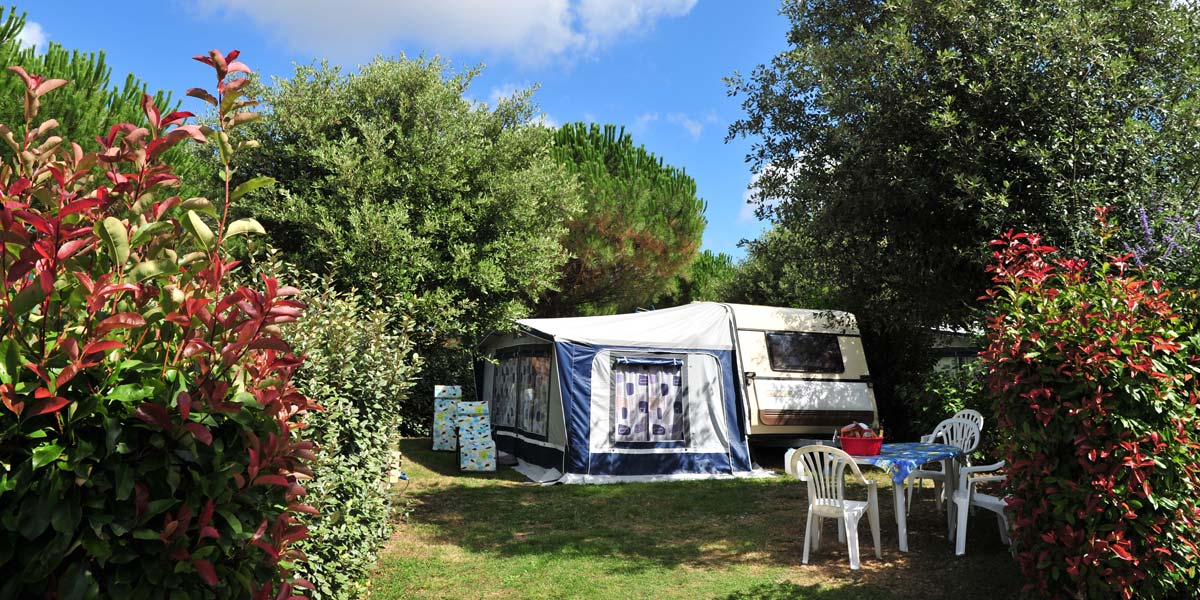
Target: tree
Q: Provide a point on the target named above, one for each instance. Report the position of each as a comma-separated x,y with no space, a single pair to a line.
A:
393,180
896,138
640,228
89,104
707,279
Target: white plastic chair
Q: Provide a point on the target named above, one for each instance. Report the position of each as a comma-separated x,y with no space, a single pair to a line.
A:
955,431
824,469
967,413
965,497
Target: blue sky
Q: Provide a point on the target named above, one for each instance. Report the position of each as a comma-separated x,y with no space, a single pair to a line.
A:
655,66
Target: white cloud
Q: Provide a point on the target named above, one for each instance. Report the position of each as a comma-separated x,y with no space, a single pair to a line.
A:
606,19
33,35
693,127
643,121
530,30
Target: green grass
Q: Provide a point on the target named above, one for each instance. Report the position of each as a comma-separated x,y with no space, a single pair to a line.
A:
494,536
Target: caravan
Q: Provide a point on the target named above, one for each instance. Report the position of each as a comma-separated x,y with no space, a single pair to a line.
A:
675,393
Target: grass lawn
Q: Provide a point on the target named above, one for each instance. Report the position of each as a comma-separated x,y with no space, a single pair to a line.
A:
495,536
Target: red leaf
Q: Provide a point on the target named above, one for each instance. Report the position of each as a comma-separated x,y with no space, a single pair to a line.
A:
29,81
101,346
206,571
49,405
48,86
279,480
153,414
67,374
119,321
270,343
151,111
201,93
200,432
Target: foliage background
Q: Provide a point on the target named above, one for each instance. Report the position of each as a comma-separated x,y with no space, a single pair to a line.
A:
394,181
897,138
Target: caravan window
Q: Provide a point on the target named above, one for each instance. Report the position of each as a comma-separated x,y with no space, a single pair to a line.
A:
808,352
649,402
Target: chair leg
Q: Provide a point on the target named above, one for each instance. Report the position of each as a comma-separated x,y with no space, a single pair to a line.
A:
850,526
819,523
1003,523
938,489
841,531
808,529
873,517
960,537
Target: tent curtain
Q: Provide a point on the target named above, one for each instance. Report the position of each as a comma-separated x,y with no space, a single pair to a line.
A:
648,405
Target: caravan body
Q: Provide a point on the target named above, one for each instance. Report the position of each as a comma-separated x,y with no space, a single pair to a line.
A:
646,396
805,372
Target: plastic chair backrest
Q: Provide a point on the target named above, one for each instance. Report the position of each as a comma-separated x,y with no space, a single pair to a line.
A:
970,415
957,431
825,469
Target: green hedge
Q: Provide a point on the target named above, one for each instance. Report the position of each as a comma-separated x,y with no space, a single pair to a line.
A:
359,366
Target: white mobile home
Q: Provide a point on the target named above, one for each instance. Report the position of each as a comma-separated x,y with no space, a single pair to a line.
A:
668,394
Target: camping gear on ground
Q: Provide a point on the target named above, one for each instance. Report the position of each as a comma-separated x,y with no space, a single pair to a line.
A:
899,460
956,431
445,428
671,393
477,450
824,469
965,497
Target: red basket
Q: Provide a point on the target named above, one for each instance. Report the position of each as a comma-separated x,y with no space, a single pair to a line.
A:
862,446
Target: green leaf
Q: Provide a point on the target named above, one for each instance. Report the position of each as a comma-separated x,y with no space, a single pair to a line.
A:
245,226
145,534
250,185
46,454
112,232
149,230
151,268
200,205
198,228
29,297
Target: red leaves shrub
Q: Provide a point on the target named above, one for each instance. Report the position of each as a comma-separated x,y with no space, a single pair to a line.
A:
1094,374
149,434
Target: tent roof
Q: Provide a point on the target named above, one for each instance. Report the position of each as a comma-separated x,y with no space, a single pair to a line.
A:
700,325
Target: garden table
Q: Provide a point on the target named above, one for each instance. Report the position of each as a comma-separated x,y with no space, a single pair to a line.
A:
898,460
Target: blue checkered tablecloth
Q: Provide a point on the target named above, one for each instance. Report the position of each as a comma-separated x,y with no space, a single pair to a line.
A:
901,459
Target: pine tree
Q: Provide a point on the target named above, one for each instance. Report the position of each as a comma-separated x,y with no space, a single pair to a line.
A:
640,228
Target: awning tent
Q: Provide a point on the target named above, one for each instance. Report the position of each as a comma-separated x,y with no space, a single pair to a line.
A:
635,397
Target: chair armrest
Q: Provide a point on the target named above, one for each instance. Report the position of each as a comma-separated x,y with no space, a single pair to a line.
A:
927,439
989,478
964,474
982,468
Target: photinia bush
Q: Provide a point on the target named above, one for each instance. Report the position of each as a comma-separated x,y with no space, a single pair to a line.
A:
149,434
1094,374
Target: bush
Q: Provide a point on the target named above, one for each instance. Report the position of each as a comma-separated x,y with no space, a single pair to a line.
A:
359,368
149,439
1094,373
942,393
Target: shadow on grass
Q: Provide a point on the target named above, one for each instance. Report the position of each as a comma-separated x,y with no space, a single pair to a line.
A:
791,591
712,524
